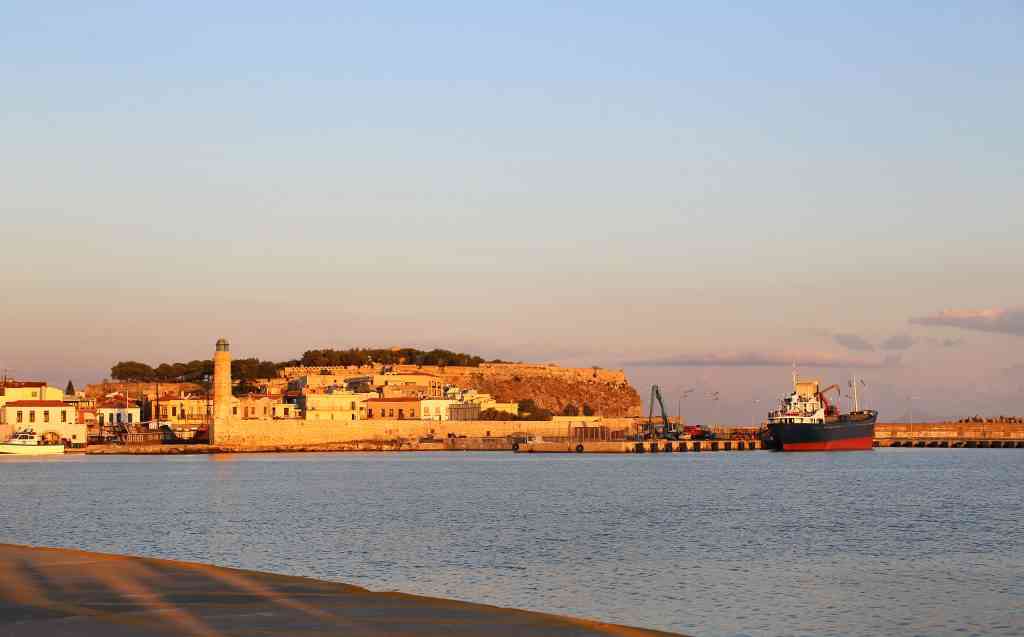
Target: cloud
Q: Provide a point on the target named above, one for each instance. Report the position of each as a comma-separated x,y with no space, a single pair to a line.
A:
853,342
996,320
751,359
899,342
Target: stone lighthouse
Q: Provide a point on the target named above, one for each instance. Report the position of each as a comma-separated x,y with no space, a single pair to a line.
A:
221,385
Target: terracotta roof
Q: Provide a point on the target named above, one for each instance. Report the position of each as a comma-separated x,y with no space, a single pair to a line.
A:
37,403
17,384
392,400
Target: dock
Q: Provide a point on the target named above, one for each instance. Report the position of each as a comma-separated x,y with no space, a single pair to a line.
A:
632,446
951,435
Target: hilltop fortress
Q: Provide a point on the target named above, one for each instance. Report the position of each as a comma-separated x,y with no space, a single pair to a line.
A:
607,392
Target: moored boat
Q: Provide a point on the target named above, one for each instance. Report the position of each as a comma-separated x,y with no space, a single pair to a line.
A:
29,443
807,421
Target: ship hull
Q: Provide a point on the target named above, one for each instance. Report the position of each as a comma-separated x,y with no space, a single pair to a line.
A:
855,432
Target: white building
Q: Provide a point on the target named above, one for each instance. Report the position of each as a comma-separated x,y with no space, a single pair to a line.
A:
51,419
116,413
436,409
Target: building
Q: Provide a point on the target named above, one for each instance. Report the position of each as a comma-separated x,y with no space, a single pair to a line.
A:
54,420
285,411
183,412
116,412
255,406
338,405
418,384
436,408
11,390
392,409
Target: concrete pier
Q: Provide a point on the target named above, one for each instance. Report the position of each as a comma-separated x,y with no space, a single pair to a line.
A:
951,435
647,446
58,592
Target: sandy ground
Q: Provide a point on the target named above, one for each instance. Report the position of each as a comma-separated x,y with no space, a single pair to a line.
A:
56,592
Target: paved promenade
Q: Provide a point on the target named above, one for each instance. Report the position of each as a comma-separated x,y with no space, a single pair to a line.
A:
57,592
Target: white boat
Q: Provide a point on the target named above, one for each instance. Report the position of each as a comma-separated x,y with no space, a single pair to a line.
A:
29,443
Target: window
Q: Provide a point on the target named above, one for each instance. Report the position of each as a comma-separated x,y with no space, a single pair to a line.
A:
129,419
369,414
101,420
46,416
352,405
20,416
286,411
32,416
234,411
412,413
401,414
353,416
120,418
391,413
64,415
174,411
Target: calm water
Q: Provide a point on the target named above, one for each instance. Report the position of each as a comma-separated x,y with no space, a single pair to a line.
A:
923,542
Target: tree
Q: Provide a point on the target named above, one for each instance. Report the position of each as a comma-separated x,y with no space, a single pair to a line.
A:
131,370
587,410
70,389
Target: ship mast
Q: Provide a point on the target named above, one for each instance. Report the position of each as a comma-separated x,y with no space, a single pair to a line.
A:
856,397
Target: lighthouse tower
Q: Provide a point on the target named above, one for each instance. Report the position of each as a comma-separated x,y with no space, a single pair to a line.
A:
221,385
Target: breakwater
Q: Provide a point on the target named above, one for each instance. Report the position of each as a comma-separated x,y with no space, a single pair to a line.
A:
992,435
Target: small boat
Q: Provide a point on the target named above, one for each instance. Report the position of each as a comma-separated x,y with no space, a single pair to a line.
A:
29,443
807,421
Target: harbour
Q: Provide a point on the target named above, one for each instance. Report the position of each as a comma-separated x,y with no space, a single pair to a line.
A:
711,544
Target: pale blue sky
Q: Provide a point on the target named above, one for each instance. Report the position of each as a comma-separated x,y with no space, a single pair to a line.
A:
584,182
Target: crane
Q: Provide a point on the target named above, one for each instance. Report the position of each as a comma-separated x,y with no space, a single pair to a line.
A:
666,429
830,409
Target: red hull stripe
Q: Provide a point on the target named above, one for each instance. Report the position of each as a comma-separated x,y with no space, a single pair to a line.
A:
845,444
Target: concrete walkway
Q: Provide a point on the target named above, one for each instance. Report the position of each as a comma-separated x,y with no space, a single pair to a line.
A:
56,592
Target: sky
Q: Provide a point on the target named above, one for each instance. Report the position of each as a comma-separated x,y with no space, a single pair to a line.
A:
701,195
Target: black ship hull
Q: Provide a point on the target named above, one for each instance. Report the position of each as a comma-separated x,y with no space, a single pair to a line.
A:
851,432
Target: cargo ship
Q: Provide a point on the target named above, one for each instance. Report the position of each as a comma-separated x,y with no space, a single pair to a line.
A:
807,421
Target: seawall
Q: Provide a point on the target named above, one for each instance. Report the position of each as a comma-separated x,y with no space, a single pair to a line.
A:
236,432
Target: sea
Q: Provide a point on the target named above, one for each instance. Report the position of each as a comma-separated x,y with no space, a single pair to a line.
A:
885,542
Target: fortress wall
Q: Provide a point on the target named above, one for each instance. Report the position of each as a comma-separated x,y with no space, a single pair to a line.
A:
237,432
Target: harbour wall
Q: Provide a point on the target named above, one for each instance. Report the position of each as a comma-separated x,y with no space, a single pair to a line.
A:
241,433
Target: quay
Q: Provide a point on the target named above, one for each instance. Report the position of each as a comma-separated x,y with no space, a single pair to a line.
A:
58,592
951,435
631,446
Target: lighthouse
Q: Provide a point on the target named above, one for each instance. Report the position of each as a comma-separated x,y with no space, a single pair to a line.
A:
221,385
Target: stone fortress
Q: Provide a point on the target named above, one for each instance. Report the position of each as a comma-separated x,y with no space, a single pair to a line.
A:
607,392
233,429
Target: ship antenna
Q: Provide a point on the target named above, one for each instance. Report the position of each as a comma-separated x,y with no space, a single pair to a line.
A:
794,375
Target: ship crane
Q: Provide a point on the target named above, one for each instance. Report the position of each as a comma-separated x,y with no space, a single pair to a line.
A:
830,409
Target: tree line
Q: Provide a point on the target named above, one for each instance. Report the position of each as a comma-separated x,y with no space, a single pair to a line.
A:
245,369
402,356
197,371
